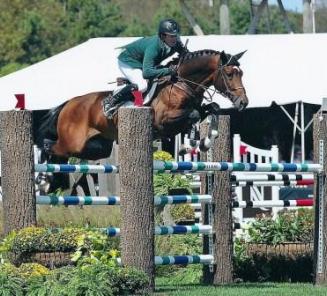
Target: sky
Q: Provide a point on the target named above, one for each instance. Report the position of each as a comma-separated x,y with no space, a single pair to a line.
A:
295,5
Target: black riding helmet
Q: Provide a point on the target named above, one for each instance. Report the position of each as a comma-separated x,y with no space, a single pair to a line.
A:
168,26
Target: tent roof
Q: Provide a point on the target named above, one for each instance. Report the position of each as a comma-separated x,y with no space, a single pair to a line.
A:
280,68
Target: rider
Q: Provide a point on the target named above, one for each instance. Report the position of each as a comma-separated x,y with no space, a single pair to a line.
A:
140,59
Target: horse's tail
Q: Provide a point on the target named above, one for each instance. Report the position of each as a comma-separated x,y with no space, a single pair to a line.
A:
48,127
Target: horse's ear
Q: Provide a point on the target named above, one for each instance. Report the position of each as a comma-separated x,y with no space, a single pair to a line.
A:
239,55
224,58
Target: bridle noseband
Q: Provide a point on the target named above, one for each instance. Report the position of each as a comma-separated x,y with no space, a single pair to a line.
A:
228,91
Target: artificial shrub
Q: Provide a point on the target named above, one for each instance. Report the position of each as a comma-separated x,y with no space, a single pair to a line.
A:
289,227
78,244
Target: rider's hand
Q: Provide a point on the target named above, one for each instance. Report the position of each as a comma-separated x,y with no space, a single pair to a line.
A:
173,74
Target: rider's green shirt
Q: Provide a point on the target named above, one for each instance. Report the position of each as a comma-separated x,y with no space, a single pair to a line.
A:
147,53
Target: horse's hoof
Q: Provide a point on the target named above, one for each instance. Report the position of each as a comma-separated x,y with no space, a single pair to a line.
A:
47,145
204,146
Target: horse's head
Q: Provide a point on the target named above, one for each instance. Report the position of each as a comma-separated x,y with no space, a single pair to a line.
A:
179,104
204,68
228,80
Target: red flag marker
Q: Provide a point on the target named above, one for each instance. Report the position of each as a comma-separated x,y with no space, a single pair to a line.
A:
138,98
20,101
243,149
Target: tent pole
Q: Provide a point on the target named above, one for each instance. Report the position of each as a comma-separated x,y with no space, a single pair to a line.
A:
294,130
302,133
289,116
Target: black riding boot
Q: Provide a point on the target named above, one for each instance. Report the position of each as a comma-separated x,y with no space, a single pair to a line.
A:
125,94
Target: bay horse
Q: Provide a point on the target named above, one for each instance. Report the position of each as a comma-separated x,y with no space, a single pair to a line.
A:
80,129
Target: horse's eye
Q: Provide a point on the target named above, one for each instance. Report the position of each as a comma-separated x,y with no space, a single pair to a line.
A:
230,75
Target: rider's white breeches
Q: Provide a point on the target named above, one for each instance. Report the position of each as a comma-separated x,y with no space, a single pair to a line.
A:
133,75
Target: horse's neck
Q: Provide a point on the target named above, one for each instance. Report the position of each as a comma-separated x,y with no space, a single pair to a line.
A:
198,75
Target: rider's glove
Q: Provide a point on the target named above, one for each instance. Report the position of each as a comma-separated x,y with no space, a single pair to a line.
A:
173,74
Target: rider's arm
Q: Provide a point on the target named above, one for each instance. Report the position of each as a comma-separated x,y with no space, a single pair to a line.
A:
150,63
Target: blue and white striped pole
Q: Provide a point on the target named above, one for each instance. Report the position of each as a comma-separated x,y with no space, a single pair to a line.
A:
167,230
75,168
183,259
174,166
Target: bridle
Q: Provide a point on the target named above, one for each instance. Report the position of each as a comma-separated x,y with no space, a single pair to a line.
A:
227,93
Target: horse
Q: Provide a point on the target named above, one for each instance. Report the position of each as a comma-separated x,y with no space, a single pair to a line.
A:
79,127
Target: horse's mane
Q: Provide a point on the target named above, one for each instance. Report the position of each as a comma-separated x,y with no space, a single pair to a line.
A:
200,53
193,54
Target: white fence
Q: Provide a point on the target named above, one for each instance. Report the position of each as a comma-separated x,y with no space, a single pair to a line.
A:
243,152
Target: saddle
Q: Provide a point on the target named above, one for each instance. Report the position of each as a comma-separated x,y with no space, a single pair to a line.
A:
149,95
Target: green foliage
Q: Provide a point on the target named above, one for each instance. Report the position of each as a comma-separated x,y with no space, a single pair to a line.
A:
289,226
182,212
54,284
28,270
25,271
30,31
240,17
93,247
274,268
11,67
86,243
33,239
188,244
162,155
163,183
92,279
96,279
11,285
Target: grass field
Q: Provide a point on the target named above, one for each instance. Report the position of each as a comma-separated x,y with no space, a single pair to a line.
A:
249,289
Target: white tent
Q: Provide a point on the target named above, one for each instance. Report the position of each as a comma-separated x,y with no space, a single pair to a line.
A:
280,68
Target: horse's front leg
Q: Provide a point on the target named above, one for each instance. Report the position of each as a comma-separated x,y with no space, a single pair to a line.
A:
178,121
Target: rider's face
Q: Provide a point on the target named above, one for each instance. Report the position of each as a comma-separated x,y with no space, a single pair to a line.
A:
170,40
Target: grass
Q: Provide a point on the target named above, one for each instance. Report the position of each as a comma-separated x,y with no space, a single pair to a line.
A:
60,216
243,289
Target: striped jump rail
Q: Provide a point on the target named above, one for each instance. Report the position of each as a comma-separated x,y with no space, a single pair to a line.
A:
184,260
270,204
171,166
271,177
115,200
174,166
76,168
167,230
273,183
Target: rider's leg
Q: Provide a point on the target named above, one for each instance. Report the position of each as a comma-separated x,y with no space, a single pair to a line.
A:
138,85
134,76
